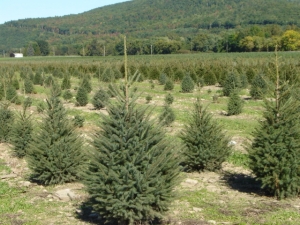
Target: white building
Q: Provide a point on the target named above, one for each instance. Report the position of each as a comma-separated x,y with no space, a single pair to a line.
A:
16,55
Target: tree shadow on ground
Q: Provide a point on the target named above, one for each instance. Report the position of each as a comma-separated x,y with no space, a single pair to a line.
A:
243,183
87,214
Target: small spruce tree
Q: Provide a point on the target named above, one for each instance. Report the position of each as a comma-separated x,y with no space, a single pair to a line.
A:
21,134
231,83
55,154
206,145
169,99
67,95
11,94
162,79
66,83
167,116
169,86
6,121
259,87
38,79
187,84
100,99
82,96
235,104
86,84
28,86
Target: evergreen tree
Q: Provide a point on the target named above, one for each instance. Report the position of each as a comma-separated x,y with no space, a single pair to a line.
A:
11,94
15,84
21,134
55,154
187,84
66,82
6,121
27,102
231,83
49,80
169,86
86,84
162,79
100,99
82,96
210,78
133,170
235,104
67,95
206,145
259,87
167,116
244,81
28,86
275,151
38,79
169,99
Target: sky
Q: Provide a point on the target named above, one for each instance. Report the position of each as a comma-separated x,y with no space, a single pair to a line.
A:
23,9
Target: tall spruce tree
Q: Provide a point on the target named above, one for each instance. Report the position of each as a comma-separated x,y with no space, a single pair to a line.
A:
275,151
55,154
206,145
133,170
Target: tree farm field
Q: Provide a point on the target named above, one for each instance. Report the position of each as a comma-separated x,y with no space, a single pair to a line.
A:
229,196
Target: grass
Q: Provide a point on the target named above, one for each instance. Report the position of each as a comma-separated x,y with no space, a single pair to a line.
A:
239,159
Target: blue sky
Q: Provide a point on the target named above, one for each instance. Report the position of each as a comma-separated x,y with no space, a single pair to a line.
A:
22,9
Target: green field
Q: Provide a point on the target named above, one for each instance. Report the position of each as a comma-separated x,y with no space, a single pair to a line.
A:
231,196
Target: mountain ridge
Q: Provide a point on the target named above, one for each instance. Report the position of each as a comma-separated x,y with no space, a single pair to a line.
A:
149,19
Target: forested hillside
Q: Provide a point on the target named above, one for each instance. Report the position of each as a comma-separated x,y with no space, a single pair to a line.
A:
224,23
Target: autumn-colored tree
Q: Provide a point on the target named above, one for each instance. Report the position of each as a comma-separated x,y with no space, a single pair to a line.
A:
290,40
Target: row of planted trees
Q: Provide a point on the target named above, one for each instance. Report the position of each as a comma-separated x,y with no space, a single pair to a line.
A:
130,170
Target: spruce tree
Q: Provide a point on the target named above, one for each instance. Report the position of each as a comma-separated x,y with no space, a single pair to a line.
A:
55,154
66,82
82,97
167,116
28,86
6,121
206,145
162,79
231,83
133,170
100,99
11,94
86,84
259,87
38,79
235,104
67,95
169,86
187,84
275,151
21,134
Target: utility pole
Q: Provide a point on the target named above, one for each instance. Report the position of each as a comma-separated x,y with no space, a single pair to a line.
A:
151,49
104,51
